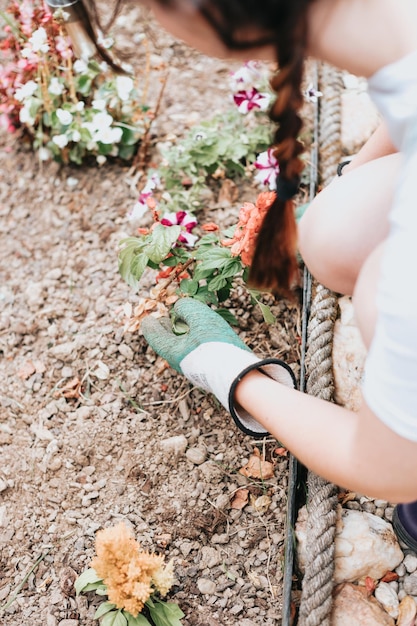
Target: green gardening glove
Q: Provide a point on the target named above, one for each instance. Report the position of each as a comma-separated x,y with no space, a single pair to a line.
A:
212,356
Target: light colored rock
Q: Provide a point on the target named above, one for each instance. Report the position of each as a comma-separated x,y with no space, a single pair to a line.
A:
410,584
407,612
353,607
349,355
410,563
210,557
388,598
365,545
196,455
206,586
174,445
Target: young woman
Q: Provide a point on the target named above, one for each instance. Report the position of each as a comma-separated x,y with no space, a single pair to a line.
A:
358,237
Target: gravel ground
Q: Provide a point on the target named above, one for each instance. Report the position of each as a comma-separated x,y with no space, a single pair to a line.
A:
139,444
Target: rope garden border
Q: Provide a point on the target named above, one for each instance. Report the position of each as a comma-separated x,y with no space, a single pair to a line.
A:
320,309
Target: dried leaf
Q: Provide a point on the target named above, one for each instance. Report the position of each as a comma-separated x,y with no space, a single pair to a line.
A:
262,504
102,371
71,390
240,499
26,370
370,585
281,451
346,496
389,577
257,467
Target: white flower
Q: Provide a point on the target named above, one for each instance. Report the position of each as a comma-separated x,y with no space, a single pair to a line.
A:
80,105
25,116
39,40
109,135
55,87
80,67
124,85
60,140
139,209
76,136
101,159
99,104
102,120
44,154
65,117
26,91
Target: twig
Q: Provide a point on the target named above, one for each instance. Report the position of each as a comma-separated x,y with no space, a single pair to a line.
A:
21,585
139,161
158,402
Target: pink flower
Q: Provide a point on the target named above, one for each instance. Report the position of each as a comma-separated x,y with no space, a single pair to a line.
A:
268,168
311,94
142,205
246,77
187,221
251,99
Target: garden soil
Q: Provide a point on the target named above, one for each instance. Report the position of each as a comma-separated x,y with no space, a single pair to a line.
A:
95,429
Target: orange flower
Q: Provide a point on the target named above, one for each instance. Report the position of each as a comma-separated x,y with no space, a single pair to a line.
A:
127,572
250,221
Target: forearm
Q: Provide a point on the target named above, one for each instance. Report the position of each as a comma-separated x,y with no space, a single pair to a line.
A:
347,448
378,145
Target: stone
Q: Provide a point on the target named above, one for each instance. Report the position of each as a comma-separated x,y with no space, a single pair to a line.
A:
174,446
407,612
365,545
410,563
387,596
196,455
209,557
410,584
349,355
206,586
353,607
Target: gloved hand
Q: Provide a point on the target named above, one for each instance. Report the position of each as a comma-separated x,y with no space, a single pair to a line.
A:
212,356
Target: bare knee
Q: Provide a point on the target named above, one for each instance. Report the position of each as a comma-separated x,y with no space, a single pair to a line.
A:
323,251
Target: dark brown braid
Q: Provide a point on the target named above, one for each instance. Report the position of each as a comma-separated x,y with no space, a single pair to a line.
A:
245,24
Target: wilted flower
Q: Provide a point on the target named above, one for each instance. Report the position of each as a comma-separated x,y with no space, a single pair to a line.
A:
141,205
268,168
187,221
250,221
251,99
246,77
130,574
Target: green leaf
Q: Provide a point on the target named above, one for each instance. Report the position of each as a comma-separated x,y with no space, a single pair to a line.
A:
114,618
87,579
163,238
189,286
139,620
104,608
229,317
216,283
166,614
179,327
268,316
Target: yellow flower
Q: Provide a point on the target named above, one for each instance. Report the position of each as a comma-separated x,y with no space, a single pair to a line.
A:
126,570
163,578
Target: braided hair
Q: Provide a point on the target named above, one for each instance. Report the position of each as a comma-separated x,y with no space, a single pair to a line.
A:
282,24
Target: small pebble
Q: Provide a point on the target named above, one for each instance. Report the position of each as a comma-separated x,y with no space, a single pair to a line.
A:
196,455
410,563
206,586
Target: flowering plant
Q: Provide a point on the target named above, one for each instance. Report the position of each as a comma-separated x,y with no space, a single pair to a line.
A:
205,268
69,108
133,580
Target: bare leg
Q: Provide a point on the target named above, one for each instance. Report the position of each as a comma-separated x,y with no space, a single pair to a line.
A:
346,221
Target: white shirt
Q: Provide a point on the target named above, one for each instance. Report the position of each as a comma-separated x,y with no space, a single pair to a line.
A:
390,385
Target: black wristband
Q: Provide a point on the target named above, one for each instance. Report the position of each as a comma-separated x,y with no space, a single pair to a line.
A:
341,166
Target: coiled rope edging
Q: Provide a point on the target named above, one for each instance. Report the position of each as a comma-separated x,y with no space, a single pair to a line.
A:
317,588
